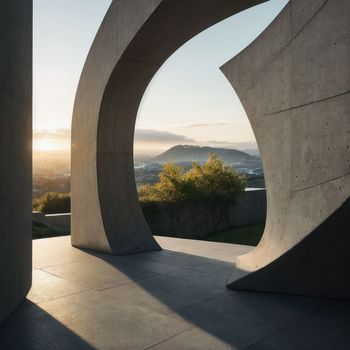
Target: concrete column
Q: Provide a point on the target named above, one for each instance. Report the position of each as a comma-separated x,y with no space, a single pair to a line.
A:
15,153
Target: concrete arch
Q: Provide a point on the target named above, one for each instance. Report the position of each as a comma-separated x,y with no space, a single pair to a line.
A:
135,39
294,84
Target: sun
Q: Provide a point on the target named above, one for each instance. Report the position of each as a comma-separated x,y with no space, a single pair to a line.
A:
43,145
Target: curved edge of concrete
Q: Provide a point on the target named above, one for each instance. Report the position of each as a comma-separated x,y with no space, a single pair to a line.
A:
297,97
309,268
134,40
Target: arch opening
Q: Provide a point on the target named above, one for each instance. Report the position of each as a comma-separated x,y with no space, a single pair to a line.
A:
188,104
111,108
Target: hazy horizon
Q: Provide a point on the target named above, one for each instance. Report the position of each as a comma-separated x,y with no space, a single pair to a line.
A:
146,141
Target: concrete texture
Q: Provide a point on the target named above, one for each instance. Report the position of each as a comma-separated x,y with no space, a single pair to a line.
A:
171,299
15,153
297,98
134,40
311,273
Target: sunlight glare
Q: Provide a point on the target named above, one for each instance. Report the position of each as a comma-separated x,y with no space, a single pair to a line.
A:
48,145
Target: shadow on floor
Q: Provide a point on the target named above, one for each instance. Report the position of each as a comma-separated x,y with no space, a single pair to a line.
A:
170,285
30,327
196,292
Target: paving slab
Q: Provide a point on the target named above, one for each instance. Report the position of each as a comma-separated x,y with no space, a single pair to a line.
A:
106,323
164,293
98,274
186,260
32,328
47,287
327,329
55,251
240,329
194,339
281,309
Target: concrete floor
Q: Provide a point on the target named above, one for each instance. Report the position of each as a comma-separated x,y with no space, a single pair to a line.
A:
173,299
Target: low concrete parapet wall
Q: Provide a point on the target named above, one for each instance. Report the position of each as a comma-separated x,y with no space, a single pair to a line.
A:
200,219
188,220
58,221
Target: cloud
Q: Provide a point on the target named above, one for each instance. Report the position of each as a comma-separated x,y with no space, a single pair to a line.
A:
144,138
51,140
226,144
159,137
163,139
141,135
63,135
204,125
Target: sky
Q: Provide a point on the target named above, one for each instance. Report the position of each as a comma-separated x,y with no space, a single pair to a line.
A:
189,101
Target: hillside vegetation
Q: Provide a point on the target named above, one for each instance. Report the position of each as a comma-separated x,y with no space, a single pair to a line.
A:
186,153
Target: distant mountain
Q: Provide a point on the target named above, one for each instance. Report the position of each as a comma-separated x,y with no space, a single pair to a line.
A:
185,153
252,151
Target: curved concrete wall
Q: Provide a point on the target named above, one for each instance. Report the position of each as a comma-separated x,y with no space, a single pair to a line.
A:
294,83
135,39
15,153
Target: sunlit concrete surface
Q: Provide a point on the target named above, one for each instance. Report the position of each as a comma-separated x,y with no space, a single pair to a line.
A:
170,299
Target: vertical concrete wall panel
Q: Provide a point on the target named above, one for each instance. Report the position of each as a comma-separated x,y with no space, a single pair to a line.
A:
299,109
15,153
321,63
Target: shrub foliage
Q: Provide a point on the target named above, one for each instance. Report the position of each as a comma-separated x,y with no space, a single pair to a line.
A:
214,180
53,203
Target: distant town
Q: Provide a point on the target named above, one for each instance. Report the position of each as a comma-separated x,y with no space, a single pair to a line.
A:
51,170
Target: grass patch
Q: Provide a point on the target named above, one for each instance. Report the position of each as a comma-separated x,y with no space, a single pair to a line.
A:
245,235
41,230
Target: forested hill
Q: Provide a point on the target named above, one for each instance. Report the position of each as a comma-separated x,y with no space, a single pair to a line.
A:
185,153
